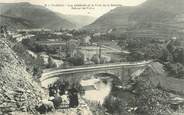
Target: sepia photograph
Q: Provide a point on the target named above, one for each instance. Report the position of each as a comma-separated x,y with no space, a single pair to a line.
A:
91,57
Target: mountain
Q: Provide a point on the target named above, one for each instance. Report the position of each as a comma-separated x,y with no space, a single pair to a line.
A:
29,15
117,17
158,11
16,23
78,20
152,14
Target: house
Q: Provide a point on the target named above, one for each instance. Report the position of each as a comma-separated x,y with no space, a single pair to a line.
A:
43,57
34,31
55,62
32,54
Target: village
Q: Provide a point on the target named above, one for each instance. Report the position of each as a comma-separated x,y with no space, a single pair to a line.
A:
44,49
128,61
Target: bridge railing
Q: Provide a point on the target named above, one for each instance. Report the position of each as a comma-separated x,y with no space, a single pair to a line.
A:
58,71
96,65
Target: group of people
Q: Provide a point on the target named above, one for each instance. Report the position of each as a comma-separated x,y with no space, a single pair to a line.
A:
61,95
62,90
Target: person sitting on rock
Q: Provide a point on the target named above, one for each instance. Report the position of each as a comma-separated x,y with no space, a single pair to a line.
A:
57,100
52,90
61,89
45,106
65,99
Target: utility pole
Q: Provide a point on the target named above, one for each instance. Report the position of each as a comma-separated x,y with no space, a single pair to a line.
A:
67,46
60,47
100,50
100,47
60,54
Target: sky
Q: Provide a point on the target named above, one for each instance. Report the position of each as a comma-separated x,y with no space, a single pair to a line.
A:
94,8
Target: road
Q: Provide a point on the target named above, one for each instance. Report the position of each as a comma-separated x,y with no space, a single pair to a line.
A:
112,49
49,73
50,43
107,48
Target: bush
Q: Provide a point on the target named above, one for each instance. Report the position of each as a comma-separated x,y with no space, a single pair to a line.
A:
149,99
115,105
76,61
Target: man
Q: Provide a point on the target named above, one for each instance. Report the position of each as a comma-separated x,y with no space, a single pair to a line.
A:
73,97
57,100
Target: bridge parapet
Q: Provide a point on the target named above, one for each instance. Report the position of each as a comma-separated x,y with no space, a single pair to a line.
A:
55,72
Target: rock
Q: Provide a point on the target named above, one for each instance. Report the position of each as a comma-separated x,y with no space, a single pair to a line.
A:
18,92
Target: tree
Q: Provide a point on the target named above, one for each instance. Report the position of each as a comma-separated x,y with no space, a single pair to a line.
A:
77,59
153,51
95,59
178,55
175,69
67,37
115,105
31,45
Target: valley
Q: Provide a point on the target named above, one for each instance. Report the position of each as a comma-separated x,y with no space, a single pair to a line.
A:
129,61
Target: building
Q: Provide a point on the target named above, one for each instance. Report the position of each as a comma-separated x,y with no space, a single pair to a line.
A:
34,31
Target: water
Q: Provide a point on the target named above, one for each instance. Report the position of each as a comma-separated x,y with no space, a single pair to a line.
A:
101,89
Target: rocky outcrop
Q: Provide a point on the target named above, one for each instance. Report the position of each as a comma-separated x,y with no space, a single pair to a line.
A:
18,92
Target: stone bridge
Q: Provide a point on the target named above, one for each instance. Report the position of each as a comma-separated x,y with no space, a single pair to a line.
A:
118,70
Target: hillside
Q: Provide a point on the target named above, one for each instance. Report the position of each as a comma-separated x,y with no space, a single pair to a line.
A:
117,17
37,16
18,92
16,23
149,15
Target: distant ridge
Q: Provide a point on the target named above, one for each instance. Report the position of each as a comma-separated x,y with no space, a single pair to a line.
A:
13,14
78,20
152,14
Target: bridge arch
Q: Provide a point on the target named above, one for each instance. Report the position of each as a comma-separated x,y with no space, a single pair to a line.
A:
116,70
114,78
104,75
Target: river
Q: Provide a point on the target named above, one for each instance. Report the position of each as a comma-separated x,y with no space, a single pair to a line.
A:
96,89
